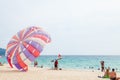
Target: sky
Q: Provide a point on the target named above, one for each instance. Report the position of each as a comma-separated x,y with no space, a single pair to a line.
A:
77,27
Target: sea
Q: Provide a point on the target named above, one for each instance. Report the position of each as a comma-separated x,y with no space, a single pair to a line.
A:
77,61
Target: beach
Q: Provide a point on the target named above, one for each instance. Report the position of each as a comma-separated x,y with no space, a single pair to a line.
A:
37,73
60,39
73,68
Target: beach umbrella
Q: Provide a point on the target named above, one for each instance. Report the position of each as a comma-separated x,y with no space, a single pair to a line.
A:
26,46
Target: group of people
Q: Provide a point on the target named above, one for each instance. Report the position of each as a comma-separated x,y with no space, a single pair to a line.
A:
55,64
107,74
55,61
112,75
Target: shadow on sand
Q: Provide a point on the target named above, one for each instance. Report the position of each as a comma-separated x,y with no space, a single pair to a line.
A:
10,71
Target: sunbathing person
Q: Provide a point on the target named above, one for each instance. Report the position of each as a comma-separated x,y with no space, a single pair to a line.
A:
113,75
106,74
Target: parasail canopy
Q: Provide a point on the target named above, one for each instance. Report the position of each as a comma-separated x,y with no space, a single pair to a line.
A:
26,46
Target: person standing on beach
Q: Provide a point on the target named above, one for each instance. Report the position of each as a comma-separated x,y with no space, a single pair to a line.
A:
35,63
102,65
56,64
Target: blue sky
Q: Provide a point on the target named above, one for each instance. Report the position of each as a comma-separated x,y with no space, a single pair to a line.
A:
89,27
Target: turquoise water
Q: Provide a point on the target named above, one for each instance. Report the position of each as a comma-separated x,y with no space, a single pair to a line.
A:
77,61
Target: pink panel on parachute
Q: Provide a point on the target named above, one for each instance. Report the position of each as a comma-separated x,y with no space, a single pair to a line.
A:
42,37
21,63
9,57
32,50
9,61
21,34
14,37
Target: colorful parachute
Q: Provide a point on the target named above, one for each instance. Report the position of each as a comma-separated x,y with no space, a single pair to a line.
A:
26,46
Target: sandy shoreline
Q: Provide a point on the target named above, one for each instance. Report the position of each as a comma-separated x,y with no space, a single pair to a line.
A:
34,73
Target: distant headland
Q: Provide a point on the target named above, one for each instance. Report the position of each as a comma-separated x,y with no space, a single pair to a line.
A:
2,51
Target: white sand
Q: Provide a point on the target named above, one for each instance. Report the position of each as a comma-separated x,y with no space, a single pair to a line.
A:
6,73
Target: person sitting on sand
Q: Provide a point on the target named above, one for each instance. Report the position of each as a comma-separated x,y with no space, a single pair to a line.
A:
113,75
106,74
1,64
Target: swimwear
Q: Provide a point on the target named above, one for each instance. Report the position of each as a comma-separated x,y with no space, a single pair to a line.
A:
113,78
56,65
107,76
